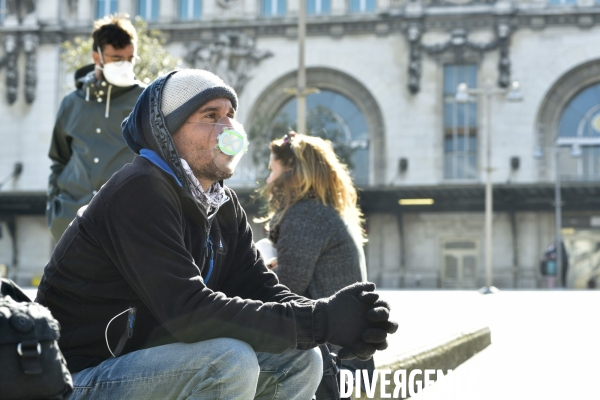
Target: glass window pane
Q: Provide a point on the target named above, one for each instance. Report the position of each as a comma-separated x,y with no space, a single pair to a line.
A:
473,143
106,7
451,266
183,9
148,9
460,166
448,115
448,170
460,143
469,267
155,10
448,144
311,6
581,117
370,6
197,9
281,7
449,81
355,5
472,171
325,6
460,123
265,7
335,117
142,9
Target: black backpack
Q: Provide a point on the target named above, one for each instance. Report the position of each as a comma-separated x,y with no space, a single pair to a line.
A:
32,365
329,388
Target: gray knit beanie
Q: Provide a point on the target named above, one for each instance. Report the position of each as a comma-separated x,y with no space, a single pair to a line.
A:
187,90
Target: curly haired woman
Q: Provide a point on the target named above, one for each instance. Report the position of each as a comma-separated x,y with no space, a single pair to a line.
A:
314,220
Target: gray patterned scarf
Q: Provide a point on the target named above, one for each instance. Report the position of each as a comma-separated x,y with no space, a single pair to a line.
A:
213,198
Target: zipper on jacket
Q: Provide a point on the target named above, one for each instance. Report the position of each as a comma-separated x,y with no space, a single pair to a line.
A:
131,322
210,253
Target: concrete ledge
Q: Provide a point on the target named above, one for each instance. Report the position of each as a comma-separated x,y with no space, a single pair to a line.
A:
445,354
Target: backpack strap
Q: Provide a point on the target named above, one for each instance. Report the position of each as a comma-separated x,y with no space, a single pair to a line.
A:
331,371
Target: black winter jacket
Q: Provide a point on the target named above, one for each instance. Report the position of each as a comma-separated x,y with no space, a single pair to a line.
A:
142,244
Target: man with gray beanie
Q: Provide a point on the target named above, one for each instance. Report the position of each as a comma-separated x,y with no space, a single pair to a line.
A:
157,284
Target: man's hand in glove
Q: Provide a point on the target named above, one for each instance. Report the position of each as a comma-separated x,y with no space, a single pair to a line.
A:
355,319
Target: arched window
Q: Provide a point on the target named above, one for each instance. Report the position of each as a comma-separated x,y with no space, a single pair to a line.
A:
581,119
344,108
332,116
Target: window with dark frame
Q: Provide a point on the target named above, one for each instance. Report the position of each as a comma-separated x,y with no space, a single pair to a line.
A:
149,9
106,7
273,8
190,9
460,124
362,6
318,7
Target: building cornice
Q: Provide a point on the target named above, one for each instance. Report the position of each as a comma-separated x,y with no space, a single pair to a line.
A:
472,17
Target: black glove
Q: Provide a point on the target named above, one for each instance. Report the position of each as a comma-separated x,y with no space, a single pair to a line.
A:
355,319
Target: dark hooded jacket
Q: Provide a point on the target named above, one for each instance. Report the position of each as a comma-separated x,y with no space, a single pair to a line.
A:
144,249
87,145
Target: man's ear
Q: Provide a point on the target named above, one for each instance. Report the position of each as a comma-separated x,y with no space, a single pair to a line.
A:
96,58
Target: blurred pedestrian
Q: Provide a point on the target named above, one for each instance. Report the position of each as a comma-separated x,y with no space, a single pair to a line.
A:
314,221
87,144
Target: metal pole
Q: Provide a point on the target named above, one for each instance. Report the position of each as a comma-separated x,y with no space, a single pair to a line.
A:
488,189
301,98
558,218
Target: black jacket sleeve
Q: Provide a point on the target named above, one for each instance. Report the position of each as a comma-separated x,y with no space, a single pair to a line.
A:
252,279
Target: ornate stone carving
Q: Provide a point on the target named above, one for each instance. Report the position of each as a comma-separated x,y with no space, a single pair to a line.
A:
12,46
459,2
231,55
72,4
414,63
30,44
20,8
12,74
227,3
458,44
20,14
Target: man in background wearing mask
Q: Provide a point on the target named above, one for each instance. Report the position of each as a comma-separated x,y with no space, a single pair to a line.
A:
87,144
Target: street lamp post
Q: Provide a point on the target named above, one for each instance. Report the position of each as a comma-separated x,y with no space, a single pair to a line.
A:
301,106
558,217
463,95
301,91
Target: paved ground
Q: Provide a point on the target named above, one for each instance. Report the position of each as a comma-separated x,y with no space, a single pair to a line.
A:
426,317
545,344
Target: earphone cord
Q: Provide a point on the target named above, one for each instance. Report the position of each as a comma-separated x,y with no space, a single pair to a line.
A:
106,330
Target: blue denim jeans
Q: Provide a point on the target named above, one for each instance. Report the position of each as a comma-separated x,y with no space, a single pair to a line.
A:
213,369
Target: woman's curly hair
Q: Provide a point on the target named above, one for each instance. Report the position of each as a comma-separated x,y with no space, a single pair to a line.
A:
312,170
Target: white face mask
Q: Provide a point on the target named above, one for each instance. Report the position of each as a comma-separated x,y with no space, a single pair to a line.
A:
118,73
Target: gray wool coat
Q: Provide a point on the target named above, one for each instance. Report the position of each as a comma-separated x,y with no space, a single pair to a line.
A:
317,254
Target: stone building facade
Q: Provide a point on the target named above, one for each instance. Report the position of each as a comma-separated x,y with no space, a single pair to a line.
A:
387,73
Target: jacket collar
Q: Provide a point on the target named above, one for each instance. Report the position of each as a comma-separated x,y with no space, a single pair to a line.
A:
93,89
